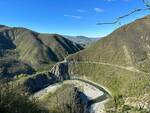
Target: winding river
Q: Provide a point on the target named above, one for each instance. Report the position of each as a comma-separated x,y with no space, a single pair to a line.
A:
96,95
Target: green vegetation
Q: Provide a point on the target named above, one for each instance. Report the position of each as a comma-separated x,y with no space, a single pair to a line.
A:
64,100
121,83
29,51
14,100
117,106
17,77
23,51
127,46
118,81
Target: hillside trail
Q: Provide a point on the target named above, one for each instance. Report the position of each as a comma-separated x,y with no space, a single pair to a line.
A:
129,68
98,95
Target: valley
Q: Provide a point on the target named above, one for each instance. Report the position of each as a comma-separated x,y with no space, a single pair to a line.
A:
94,99
67,74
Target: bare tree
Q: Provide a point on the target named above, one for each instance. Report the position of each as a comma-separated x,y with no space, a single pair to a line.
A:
68,101
14,100
146,4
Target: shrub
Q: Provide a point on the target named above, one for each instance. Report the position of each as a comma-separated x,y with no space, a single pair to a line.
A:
14,100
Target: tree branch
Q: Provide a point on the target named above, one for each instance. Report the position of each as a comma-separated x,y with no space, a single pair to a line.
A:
146,3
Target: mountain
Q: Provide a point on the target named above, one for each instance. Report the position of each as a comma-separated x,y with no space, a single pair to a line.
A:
119,61
27,50
85,41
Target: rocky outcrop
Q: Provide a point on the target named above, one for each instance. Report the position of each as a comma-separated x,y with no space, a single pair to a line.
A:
142,102
41,80
60,70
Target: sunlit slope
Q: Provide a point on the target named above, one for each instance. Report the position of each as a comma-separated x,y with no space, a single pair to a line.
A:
120,61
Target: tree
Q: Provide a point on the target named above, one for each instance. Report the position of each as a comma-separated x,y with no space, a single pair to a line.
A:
71,103
147,7
14,100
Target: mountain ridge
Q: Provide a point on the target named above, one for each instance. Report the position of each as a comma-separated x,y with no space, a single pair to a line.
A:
39,51
127,46
83,40
123,43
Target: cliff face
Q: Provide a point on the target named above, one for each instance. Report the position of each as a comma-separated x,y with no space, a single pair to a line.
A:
39,81
60,70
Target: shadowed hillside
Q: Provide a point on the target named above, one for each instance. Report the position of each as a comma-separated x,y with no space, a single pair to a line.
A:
32,50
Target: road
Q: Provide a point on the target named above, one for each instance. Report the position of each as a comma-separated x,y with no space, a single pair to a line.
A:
129,68
95,104
97,95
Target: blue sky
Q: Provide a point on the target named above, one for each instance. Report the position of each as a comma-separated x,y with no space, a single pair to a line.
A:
67,17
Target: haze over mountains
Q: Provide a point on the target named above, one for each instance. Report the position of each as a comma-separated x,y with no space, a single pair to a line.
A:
85,41
23,50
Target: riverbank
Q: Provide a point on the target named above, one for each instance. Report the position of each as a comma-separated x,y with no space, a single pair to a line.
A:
91,91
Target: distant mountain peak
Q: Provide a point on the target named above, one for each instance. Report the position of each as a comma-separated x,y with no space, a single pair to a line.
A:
81,39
